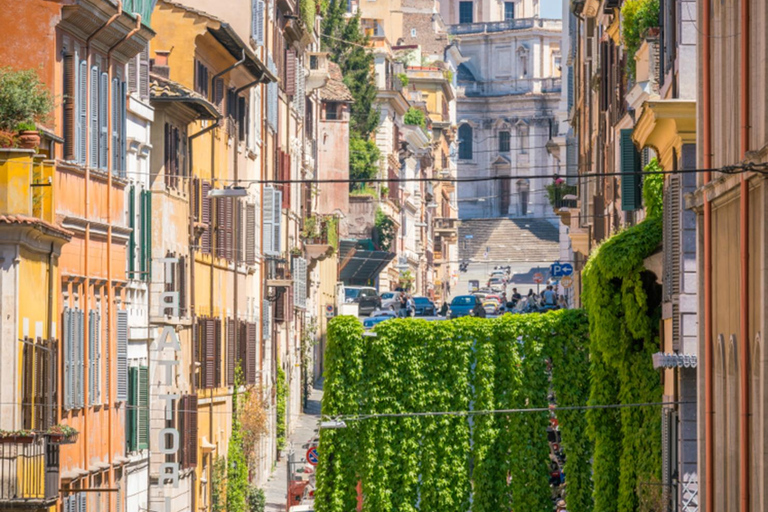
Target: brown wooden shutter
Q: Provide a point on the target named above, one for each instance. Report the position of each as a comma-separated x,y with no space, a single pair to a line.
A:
280,307
205,217
196,337
211,337
218,349
250,234
195,199
250,359
181,281
238,230
191,431
242,348
290,72
70,116
231,351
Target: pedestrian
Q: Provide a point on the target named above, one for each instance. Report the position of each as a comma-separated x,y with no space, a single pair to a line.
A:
550,297
530,293
561,506
444,309
561,302
478,310
411,304
403,305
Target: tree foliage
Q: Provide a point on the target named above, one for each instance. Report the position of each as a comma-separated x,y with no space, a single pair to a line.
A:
24,98
237,467
363,160
415,116
495,462
653,188
385,230
637,16
281,390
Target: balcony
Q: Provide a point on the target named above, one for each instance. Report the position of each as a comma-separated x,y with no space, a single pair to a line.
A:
504,26
321,236
447,227
514,87
29,473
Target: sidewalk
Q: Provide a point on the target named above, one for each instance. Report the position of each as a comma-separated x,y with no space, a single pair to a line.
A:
276,487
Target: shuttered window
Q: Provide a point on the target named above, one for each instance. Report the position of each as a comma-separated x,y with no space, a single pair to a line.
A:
205,217
225,232
266,319
67,336
250,234
132,236
78,324
93,134
631,179
138,74
212,350
201,79
188,431
145,247
232,352
118,124
268,220
218,350
122,355
272,96
94,357
247,351
70,105
82,108
137,429
299,273
257,22
277,216
290,72
103,120
299,101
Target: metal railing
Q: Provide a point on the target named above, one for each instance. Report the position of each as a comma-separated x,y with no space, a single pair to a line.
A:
29,472
514,86
502,26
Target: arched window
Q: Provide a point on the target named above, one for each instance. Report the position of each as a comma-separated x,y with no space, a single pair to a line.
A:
465,142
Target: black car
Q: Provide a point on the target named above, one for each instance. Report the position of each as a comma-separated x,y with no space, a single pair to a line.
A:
425,307
366,297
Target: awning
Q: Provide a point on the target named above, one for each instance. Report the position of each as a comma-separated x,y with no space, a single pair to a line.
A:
360,262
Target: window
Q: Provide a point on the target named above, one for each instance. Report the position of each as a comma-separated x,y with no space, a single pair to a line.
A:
201,79
523,190
504,142
74,357
413,32
174,154
466,14
225,227
188,430
332,111
257,22
210,351
272,208
137,430
94,357
509,11
140,222
119,117
522,135
465,142
122,355
138,74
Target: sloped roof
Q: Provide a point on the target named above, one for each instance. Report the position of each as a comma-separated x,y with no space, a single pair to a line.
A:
35,222
335,89
163,89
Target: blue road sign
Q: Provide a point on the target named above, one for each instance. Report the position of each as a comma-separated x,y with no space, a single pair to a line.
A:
560,269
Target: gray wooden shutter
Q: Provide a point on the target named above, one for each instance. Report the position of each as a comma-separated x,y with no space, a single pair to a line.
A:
67,337
82,111
80,354
82,501
133,74
268,223
122,355
266,320
93,139
103,120
300,99
258,30
205,218
277,216
116,124
290,72
123,128
97,354
144,73
91,358
631,179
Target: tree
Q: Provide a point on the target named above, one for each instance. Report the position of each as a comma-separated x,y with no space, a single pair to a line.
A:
237,468
363,160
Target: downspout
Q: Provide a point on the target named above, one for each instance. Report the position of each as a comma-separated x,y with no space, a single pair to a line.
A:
226,70
110,192
51,333
744,438
709,496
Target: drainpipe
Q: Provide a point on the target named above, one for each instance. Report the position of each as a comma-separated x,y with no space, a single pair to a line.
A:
225,71
744,438
51,333
709,493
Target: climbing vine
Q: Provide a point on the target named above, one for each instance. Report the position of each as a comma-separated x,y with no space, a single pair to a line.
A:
281,390
453,463
237,468
653,188
623,303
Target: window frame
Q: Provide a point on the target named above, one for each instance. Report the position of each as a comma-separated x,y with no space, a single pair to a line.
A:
463,13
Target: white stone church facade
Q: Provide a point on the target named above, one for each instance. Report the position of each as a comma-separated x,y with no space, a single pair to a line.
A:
507,111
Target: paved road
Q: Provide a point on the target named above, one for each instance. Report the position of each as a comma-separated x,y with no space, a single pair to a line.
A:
276,488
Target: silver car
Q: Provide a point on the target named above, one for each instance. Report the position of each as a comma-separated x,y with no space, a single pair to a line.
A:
390,301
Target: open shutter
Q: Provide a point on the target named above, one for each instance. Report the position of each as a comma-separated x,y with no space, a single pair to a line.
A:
268,222
631,195
116,110
83,501
146,234
132,235
132,412
143,429
133,74
218,349
220,236
122,355
181,280
277,216
97,355
257,21
82,111
299,100
250,362
205,217
93,139
229,227
91,358
231,351
209,350
266,319
80,352
70,106
144,73
66,336
290,72
250,234
103,120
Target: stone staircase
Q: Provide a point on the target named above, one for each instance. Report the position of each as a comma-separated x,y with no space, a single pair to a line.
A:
509,240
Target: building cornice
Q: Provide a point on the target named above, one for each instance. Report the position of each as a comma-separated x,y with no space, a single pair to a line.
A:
665,125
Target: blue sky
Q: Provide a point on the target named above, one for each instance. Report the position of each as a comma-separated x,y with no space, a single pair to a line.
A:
551,8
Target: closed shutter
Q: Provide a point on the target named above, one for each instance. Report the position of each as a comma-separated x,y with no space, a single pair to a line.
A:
191,431
79,323
218,93
68,339
290,72
229,227
195,199
257,22
676,211
132,235
272,96
598,207
91,358
181,280
133,74
209,350
231,351
280,306
144,73
250,353
93,139
258,91
631,195
70,106
146,234
82,109
268,221
205,217
103,120
132,411
266,319
220,228
97,356
300,99
116,123
277,216
143,427
250,234
122,355
123,129
218,349
82,501
299,272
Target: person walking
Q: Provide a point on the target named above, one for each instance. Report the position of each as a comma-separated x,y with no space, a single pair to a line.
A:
403,305
550,297
444,309
411,305
478,311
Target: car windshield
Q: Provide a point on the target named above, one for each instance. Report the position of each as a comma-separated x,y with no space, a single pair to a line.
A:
463,301
421,300
387,295
351,293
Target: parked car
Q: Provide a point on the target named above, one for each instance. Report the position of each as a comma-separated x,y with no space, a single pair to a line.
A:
390,300
365,297
424,306
377,317
462,305
496,284
491,307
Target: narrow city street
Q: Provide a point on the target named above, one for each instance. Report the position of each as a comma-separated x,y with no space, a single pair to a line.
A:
276,488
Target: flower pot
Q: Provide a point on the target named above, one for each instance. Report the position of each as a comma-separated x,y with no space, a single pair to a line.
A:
24,439
29,139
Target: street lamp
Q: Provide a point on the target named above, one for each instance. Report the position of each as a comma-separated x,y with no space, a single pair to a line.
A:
228,192
332,425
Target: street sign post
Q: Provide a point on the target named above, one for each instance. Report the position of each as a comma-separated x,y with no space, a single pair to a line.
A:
566,281
312,456
538,278
329,311
560,269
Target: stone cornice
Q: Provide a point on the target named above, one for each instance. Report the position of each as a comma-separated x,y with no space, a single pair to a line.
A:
665,125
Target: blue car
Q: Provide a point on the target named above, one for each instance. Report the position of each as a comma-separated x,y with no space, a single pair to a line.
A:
377,317
424,306
462,305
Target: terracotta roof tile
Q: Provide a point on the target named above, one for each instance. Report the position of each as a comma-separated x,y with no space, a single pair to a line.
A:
335,89
27,220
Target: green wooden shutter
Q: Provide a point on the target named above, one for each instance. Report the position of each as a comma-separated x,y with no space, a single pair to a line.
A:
631,179
131,431
143,424
132,236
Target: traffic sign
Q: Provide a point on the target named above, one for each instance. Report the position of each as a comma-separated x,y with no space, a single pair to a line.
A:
329,311
538,278
312,456
566,281
561,269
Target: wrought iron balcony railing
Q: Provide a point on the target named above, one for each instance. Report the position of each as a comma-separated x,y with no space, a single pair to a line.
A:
29,472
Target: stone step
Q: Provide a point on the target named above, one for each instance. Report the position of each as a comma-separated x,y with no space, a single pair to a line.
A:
509,240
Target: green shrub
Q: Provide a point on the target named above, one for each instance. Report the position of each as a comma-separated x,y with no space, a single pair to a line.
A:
653,188
23,99
637,16
415,117
281,390
403,79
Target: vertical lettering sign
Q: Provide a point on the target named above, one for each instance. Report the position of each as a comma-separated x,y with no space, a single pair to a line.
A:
168,438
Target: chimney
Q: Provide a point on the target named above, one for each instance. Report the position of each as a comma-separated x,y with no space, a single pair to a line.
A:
159,64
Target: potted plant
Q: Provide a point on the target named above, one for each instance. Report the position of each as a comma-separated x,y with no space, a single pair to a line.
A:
29,137
8,139
17,436
62,434
24,101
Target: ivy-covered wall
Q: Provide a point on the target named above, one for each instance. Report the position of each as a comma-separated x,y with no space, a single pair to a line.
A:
498,461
